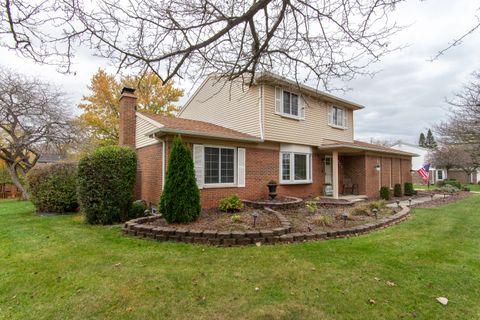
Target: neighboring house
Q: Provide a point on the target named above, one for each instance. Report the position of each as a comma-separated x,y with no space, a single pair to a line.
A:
436,174
242,137
49,158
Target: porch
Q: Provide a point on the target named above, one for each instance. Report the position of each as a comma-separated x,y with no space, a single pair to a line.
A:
357,170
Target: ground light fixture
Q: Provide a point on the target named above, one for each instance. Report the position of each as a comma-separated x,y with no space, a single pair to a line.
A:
255,216
398,203
431,196
344,217
409,202
375,212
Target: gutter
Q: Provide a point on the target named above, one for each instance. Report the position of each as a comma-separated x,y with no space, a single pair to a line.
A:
367,149
164,130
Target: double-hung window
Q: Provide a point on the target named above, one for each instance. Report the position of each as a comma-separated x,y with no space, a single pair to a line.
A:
295,167
289,104
219,165
337,117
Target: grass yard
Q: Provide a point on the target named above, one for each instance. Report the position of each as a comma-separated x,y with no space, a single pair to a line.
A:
473,187
60,268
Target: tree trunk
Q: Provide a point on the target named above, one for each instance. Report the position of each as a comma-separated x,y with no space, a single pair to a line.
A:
15,179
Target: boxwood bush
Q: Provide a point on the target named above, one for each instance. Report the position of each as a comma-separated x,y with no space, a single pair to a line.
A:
385,193
52,187
106,182
180,199
408,189
397,190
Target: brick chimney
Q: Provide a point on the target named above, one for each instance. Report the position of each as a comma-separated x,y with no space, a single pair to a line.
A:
128,107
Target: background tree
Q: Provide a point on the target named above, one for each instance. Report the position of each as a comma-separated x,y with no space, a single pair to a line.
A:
462,128
430,142
447,157
421,140
101,114
190,38
32,113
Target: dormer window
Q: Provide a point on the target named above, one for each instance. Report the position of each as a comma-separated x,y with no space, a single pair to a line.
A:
289,104
337,117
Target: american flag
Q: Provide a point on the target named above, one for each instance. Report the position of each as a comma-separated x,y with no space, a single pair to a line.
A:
423,171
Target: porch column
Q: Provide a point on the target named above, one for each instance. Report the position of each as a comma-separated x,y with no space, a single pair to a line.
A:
335,174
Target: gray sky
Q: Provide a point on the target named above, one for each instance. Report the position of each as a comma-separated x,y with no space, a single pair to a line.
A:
405,97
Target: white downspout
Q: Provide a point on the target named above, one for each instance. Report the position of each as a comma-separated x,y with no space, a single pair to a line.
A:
163,163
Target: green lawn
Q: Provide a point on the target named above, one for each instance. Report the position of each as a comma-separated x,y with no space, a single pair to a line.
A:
473,187
60,268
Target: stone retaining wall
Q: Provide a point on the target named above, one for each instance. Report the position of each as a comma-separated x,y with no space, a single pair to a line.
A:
139,228
292,203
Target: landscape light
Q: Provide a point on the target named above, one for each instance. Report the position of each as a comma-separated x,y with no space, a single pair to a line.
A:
344,217
254,215
375,212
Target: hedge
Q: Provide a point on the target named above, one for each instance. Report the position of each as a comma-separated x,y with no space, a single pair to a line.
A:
52,187
180,199
397,190
106,182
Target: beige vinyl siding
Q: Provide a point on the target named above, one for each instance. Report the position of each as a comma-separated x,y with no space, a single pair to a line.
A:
228,104
143,126
310,131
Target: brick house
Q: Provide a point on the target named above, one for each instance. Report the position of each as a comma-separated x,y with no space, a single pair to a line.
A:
242,137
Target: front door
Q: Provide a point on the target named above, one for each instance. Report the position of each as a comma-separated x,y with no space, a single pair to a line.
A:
328,170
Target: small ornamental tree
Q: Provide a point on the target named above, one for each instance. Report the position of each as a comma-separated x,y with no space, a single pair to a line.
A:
105,184
180,200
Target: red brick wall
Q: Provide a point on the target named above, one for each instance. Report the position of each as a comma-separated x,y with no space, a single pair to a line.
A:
354,168
127,126
149,173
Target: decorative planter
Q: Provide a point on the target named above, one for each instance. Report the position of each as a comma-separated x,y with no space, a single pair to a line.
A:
272,190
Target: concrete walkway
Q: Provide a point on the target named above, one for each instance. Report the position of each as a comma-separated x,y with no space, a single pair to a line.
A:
417,200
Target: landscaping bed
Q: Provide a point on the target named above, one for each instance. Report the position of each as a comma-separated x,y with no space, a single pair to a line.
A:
330,218
223,221
450,197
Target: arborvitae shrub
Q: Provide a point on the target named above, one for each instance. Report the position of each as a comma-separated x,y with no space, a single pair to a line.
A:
180,199
385,193
106,181
52,187
408,189
397,190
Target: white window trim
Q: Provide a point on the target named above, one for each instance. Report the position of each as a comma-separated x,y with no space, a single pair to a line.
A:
345,118
301,105
235,169
443,175
292,168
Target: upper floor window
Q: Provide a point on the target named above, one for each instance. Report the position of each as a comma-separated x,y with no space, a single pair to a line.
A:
289,104
337,117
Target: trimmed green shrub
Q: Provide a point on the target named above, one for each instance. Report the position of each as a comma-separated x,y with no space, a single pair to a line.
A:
105,184
52,187
408,189
397,190
385,193
452,182
180,199
231,204
138,209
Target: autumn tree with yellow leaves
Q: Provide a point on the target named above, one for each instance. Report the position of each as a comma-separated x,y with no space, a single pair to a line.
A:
101,115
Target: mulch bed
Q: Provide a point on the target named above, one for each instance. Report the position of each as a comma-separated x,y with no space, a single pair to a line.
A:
222,221
304,221
451,197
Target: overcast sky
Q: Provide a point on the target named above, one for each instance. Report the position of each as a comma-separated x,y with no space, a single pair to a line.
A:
405,97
